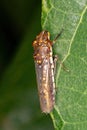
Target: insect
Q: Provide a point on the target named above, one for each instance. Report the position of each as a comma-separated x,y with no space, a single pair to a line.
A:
44,65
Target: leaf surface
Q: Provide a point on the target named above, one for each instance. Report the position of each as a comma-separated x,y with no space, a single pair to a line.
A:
70,111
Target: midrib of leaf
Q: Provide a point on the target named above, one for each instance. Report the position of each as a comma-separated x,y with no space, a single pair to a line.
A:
75,32
71,41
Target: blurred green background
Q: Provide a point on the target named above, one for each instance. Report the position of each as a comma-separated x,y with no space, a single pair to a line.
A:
19,104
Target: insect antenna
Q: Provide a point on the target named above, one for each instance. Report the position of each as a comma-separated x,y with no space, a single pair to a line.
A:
59,34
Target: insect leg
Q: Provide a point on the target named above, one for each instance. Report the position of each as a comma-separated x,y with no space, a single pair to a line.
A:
64,67
55,61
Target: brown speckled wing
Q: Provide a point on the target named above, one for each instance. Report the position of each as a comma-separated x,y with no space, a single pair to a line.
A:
46,85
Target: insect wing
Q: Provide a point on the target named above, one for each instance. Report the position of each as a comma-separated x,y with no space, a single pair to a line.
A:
46,86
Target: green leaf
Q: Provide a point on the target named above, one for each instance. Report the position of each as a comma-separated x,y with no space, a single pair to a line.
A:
70,111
